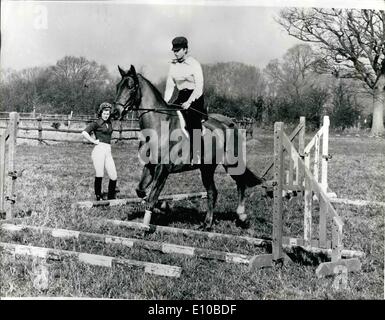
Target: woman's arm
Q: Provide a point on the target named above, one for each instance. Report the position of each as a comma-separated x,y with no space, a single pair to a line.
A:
198,77
89,138
169,87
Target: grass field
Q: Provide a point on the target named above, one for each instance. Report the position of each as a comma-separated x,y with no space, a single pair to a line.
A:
56,176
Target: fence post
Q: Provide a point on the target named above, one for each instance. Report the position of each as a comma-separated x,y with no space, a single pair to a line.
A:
336,241
40,129
69,119
2,170
323,212
278,186
316,157
301,150
120,130
13,123
325,154
133,134
307,222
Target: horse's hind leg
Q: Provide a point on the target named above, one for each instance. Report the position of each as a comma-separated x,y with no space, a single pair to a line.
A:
145,180
242,216
241,188
212,193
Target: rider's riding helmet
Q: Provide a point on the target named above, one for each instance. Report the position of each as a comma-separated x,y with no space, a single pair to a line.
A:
179,43
104,106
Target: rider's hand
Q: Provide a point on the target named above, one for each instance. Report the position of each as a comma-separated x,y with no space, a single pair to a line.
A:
186,105
96,142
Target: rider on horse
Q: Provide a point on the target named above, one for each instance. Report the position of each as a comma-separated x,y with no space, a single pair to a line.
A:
186,75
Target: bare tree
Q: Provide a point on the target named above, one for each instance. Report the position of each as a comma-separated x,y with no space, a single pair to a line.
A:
79,69
293,74
78,84
352,43
20,89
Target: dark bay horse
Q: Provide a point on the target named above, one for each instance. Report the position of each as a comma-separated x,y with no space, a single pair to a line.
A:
135,92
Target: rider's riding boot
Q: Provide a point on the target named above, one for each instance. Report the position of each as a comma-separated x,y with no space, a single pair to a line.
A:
98,187
111,189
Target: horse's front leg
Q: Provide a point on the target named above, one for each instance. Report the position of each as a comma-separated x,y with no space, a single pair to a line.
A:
160,176
145,180
207,173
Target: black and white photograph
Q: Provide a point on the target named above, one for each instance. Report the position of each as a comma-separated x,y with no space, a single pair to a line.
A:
172,151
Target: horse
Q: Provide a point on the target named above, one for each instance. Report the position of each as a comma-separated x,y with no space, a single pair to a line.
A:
135,92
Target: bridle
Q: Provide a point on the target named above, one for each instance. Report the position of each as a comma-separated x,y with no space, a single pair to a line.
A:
133,102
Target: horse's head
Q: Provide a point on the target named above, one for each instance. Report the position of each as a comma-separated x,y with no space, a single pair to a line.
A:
128,95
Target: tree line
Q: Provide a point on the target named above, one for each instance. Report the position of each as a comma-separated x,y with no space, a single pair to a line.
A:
284,90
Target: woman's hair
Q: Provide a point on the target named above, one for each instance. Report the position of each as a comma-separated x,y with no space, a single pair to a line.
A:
104,106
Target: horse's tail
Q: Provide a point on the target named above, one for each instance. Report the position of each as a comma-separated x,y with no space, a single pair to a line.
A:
250,179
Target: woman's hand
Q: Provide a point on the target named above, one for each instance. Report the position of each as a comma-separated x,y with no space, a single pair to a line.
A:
186,105
96,141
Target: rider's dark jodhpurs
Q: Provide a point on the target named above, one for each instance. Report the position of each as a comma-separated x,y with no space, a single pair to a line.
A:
193,115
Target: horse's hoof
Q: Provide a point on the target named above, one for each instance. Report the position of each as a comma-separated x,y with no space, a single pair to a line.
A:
242,216
140,193
244,224
205,227
164,206
208,228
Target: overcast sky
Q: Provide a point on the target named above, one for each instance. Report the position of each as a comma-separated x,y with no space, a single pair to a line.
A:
126,32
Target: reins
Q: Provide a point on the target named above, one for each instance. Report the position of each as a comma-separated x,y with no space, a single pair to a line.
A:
157,110
165,110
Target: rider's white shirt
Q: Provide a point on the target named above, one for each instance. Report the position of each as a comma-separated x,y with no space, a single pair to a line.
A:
185,75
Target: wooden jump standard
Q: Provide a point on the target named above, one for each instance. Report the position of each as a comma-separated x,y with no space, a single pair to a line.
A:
92,259
320,163
299,166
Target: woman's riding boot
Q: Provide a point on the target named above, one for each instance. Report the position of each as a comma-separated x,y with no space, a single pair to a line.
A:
111,189
98,187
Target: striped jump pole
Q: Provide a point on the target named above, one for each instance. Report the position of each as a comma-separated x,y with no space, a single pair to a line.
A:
138,201
92,259
133,243
288,243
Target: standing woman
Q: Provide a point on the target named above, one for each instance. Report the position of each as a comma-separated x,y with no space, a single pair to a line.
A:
101,154
186,75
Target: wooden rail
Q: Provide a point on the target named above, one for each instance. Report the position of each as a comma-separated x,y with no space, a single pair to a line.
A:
40,129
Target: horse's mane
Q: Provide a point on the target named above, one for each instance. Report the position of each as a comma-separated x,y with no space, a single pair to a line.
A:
156,92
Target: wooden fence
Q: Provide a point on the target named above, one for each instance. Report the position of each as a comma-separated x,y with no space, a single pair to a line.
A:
130,124
121,127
